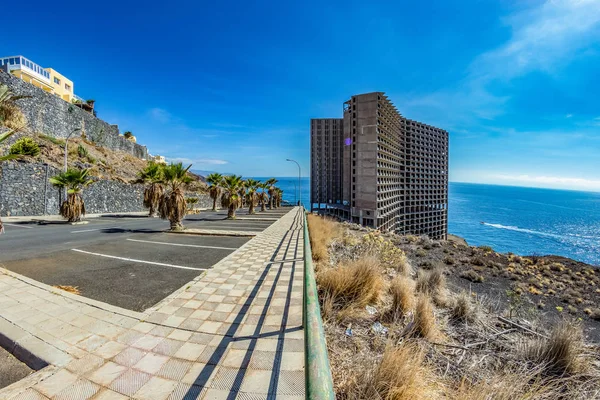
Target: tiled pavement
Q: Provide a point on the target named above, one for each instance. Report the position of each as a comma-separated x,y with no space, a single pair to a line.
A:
233,333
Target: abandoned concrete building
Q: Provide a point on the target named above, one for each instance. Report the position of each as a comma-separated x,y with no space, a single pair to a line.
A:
376,168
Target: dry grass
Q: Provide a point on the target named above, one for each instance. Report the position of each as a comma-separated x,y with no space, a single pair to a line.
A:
353,285
401,375
11,116
424,321
559,355
322,231
472,276
518,385
463,309
402,292
431,282
67,288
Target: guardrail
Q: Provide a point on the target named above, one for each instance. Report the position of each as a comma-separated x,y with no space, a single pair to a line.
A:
319,385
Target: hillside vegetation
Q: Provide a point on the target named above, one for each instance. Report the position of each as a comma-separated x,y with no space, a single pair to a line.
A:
103,163
410,318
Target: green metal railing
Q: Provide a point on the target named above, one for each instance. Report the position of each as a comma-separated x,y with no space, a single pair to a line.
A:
319,385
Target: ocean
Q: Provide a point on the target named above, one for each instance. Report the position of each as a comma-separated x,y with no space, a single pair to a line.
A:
513,219
527,220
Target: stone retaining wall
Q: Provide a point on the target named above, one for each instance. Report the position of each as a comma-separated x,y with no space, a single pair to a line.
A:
26,191
50,115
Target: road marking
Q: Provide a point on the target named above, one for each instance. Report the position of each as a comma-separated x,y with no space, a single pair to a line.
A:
96,229
183,245
139,261
19,226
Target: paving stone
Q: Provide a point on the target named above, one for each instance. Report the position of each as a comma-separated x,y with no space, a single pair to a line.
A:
130,356
216,351
107,373
82,389
151,363
56,383
130,382
156,389
190,351
110,349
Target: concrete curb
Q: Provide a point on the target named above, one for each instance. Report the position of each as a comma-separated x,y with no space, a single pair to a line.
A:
35,218
12,391
209,232
29,349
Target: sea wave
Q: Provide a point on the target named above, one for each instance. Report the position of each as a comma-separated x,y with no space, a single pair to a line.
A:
517,229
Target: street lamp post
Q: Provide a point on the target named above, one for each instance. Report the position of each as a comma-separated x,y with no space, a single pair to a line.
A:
299,179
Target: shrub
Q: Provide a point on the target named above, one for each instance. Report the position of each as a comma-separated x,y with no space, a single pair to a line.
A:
424,322
82,151
52,139
472,276
420,253
486,249
128,134
402,291
463,309
401,374
25,147
556,266
431,282
558,355
478,261
449,260
355,284
411,238
322,231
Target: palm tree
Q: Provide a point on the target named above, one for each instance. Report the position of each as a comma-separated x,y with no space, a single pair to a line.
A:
74,180
271,182
10,114
231,185
7,157
242,194
172,204
152,176
252,186
278,197
214,180
263,196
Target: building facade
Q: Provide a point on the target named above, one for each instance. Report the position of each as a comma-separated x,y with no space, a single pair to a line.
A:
394,171
47,79
326,171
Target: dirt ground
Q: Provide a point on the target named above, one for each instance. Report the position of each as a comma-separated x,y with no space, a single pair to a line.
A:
407,317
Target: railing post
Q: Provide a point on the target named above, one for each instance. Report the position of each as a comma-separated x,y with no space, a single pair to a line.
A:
318,381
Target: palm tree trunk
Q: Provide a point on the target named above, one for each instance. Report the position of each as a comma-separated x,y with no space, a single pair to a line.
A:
1,227
214,203
251,207
176,225
231,210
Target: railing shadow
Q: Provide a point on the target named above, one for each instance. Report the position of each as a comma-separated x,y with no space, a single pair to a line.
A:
229,338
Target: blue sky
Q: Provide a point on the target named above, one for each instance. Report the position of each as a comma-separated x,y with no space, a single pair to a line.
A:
231,86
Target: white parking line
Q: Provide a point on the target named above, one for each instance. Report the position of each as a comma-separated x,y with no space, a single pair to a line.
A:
138,261
19,226
96,229
183,245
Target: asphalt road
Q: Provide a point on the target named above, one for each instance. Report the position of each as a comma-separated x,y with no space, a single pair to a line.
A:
128,262
11,369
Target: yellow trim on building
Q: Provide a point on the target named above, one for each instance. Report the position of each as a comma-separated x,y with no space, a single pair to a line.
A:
61,85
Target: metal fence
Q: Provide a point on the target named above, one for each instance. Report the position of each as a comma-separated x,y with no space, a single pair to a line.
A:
319,385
